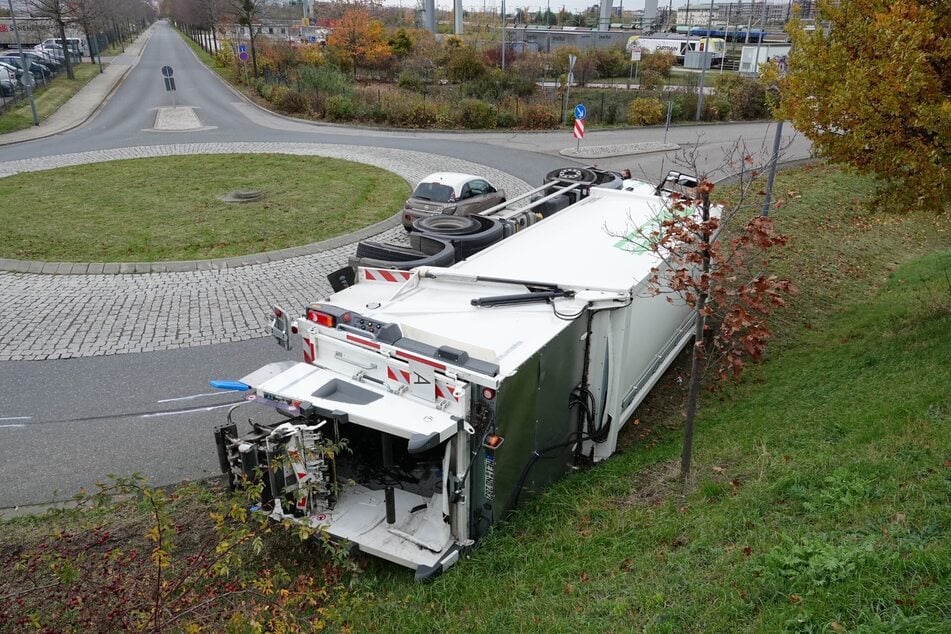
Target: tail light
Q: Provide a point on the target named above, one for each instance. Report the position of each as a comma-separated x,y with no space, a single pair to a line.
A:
321,318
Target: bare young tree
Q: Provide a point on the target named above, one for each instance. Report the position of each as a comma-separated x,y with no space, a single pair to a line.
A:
724,280
87,14
59,13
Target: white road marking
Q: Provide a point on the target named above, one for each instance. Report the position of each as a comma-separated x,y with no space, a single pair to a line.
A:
187,411
15,417
185,398
5,426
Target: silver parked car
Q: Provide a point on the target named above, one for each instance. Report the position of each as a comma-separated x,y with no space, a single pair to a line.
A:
450,193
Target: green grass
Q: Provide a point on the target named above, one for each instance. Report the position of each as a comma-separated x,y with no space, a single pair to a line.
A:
821,487
131,211
48,98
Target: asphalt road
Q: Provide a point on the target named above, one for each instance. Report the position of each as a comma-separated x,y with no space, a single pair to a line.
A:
64,424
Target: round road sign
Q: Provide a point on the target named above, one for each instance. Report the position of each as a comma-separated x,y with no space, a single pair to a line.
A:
580,111
243,55
167,71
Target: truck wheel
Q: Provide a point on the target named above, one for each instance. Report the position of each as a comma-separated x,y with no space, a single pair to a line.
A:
568,175
490,231
447,225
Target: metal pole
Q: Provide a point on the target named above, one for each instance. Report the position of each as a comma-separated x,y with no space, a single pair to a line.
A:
99,50
27,79
772,168
670,109
703,63
759,39
503,34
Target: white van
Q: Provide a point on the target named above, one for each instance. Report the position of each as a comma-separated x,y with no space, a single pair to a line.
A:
76,44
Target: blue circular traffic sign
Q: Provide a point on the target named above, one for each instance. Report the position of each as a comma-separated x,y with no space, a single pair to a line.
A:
580,111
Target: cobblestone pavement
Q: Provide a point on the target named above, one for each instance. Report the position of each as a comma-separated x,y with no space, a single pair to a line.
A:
66,316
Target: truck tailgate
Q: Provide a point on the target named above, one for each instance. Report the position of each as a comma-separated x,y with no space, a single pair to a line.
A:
364,403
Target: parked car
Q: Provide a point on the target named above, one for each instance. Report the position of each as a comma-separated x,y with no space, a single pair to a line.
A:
450,193
75,44
12,70
40,72
44,61
7,83
44,58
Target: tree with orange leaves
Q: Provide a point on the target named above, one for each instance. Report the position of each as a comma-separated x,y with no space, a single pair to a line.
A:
358,40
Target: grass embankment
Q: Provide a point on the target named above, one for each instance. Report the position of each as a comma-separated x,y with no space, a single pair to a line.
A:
48,98
820,497
130,210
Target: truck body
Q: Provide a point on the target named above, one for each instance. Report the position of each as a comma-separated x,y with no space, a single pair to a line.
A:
34,31
430,402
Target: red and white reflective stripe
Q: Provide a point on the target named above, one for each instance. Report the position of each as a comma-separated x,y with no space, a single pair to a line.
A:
424,361
445,392
579,129
392,276
400,376
310,350
363,342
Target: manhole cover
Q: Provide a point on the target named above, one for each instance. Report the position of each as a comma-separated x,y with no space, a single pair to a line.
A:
241,196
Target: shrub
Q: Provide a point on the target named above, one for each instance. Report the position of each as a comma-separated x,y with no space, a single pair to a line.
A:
263,89
411,81
327,80
411,111
277,93
465,64
505,120
685,105
539,117
476,115
645,111
745,96
609,62
650,79
340,108
659,62
292,102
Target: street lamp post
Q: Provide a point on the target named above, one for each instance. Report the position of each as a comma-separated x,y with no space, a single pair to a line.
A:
27,74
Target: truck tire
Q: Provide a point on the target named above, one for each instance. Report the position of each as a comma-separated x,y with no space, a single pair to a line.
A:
490,230
392,256
447,225
569,175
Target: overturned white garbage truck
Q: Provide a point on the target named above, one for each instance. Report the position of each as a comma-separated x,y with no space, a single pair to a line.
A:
430,401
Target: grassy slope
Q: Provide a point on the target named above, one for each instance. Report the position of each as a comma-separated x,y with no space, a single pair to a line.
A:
48,98
821,494
75,215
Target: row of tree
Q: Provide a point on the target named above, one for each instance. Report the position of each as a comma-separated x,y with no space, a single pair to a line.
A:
116,17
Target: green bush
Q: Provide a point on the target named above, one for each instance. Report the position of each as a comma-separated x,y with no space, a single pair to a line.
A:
465,64
505,120
476,115
539,117
340,108
326,79
411,80
277,93
411,111
746,96
263,89
610,62
645,111
293,102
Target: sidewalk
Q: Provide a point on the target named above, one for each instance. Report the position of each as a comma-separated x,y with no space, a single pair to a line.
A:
88,100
